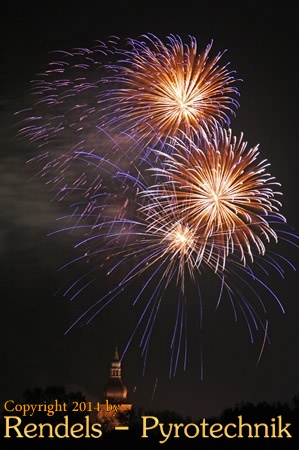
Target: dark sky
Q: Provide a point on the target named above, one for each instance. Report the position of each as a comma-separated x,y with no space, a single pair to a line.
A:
262,47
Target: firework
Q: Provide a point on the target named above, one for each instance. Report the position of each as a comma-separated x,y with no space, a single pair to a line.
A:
154,243
224,191
158,88
163,198
85,102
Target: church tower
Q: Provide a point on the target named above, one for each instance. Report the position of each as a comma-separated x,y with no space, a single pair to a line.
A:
114,395
115,391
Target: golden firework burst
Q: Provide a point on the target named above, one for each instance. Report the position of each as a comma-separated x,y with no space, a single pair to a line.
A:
159,89
223,191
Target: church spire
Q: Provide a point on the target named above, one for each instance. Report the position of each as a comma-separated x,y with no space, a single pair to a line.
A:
116,357
115,368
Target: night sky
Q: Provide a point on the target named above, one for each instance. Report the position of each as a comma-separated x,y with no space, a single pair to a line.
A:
261,45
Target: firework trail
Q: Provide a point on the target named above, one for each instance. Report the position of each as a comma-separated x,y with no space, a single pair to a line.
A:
62,119
162,198
263,344
154,390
